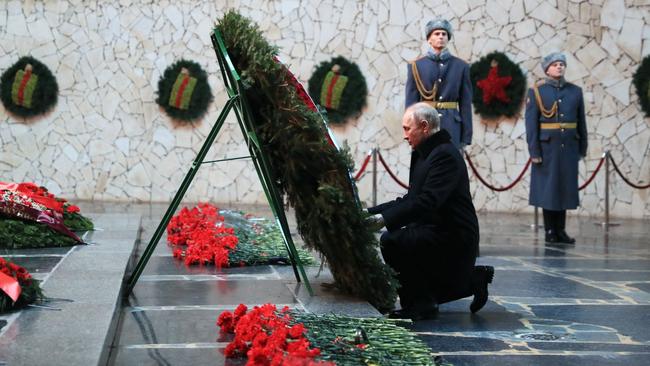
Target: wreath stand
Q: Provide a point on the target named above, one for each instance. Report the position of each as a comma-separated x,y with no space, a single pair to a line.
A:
237,101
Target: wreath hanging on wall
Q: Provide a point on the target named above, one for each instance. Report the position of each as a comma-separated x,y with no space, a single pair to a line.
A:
641,80
339,86
28,88
184,92
499,86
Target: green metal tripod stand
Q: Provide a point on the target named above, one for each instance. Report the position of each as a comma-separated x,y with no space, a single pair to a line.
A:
237,102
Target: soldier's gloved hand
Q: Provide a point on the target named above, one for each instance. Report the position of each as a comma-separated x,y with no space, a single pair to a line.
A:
536,160
376,222
461,146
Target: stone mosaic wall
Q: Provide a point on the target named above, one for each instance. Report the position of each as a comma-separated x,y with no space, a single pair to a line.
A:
108,140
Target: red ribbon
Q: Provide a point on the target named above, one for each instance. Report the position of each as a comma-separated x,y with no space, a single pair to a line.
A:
10,286
181,90
23,83
330,90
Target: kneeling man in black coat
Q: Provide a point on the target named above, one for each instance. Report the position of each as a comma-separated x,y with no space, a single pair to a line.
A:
432,238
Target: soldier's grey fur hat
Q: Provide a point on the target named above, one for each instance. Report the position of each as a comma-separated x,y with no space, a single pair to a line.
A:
437,24
553,57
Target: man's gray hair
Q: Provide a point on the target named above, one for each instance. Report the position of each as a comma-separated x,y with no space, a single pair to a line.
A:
424,111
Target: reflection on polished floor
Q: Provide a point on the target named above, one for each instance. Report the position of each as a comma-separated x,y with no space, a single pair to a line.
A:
561,304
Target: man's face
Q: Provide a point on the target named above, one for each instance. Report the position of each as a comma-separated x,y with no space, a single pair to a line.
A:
414,131
556,70
438,39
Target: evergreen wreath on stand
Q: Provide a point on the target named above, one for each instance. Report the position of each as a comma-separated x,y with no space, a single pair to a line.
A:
28,88
499,86
184,92
308,170
339,86
641,80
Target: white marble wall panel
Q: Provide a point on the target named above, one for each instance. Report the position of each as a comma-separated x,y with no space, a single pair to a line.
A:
107,139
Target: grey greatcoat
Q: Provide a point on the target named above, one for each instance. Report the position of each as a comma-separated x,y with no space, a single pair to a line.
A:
454,85
560,140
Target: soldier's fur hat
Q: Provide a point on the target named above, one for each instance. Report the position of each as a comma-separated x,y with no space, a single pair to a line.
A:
551,58
437,24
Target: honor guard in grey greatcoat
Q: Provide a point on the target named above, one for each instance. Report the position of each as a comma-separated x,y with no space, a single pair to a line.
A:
442,80
556,132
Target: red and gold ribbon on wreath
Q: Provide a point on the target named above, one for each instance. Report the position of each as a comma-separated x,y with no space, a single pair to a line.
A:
182,90
14,203
332,88
22,90
37,194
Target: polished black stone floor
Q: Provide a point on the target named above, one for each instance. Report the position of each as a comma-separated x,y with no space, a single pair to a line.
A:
581,304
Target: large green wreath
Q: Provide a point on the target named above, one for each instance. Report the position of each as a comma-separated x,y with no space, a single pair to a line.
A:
308,170
339,86
184,92
499,86
641,80
28,91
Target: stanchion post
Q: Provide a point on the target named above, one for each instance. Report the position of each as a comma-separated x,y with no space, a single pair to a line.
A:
607,157
374,177
607,223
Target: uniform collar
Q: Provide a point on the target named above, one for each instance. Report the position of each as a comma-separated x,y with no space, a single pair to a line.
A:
556,83
444,55
425,147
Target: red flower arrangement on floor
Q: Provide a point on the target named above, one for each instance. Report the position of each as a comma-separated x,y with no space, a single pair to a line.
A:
266,337
200,236
17,285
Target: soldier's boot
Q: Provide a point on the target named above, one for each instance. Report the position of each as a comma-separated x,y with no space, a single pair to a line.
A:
481,277
550,233
562,236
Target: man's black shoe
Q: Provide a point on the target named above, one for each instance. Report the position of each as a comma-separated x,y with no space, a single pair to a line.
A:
481,277
551,236
417,312
563,237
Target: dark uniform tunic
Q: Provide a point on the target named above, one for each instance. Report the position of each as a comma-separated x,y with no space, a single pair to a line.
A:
451,75
560,140
432,238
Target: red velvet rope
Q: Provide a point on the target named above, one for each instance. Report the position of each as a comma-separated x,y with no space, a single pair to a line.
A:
593,175
625,179
364,165
498,189
390,172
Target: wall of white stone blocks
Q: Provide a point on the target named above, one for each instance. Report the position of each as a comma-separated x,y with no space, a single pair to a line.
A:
107,139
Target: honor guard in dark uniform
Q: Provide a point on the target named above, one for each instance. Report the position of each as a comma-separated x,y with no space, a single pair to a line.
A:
442,80
556,132
433,234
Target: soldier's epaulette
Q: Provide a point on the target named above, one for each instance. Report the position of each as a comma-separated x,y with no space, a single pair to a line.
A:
417,59
540,82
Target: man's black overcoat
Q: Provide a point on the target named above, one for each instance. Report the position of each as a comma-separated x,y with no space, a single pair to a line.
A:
433,228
